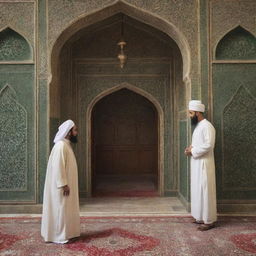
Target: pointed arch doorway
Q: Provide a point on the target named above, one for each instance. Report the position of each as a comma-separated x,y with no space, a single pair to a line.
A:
124,146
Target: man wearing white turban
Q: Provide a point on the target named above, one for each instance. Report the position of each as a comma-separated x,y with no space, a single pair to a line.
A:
60,218
203,187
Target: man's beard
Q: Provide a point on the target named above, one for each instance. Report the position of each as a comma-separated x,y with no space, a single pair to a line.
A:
194,120
73,139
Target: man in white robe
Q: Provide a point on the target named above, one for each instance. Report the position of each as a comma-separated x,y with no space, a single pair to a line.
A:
203,186
60,218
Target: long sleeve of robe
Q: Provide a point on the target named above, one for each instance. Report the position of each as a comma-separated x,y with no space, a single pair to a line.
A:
203,185
60,218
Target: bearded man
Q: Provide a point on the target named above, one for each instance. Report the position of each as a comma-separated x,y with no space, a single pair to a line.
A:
203,186
60,218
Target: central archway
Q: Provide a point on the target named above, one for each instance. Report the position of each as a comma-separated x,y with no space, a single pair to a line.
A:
84,70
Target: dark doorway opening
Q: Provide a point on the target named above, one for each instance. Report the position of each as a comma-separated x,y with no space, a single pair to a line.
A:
124,146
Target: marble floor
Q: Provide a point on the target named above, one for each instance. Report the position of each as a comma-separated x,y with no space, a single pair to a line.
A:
123,206
108,206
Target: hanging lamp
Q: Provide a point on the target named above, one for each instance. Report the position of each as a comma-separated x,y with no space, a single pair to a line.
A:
121,56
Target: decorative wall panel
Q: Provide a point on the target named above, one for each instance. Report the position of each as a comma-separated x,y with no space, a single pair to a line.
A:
232,34
238,130
17,134
234,94
13,141
238,44
13,46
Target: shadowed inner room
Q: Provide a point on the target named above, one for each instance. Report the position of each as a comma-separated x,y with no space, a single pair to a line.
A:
125,145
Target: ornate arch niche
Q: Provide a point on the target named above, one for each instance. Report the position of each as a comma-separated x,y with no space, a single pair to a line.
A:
120,7
160,125
14,47
13,140
237,44
238,138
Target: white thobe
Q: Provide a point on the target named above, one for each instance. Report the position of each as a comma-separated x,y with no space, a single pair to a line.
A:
203,185
60,218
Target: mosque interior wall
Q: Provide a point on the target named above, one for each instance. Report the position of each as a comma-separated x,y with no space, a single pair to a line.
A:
177,50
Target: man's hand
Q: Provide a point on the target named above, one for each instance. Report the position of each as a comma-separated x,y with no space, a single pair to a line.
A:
188,151
66,190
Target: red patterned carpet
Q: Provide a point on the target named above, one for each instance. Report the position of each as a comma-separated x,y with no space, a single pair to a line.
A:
133,236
